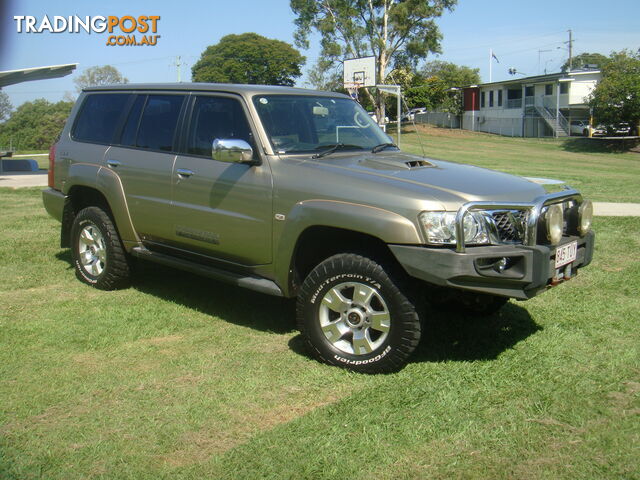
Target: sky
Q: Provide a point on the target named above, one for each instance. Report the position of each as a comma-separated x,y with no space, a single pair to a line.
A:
527,36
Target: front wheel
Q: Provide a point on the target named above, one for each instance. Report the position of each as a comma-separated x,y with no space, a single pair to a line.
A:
355,314
98,255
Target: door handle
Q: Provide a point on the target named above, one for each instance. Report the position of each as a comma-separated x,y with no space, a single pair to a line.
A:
184,173
113,163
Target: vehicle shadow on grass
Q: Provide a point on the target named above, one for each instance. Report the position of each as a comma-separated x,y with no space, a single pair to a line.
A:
446,335
599,145
230,303
453,336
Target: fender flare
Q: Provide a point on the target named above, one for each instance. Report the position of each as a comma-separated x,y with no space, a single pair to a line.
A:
109,185
388,226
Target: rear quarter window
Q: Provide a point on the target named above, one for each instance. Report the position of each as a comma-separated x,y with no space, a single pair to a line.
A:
99,117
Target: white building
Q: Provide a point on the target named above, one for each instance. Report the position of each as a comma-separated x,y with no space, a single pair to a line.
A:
540,106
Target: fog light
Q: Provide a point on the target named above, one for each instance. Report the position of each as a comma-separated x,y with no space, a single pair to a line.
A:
500,265
585,214
555,221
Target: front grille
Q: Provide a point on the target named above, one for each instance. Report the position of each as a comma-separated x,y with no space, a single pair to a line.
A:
510,225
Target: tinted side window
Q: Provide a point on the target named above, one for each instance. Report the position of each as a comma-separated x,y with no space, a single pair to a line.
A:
216,117
158,123
99,116
130,129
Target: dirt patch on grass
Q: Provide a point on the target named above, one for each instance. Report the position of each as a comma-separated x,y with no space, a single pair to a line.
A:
159,340
226,433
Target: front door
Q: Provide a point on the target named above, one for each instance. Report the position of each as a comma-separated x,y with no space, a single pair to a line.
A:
222,210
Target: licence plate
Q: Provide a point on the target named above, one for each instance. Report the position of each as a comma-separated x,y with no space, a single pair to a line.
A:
566,254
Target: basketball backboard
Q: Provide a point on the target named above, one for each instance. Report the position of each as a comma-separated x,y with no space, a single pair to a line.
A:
360,71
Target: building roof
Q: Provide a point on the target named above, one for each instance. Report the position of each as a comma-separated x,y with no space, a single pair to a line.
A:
537,78
11,77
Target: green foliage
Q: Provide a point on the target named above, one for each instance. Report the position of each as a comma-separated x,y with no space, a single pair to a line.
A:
35,125
617,96
434,86
5,106
396,33
249,58
431,95
450,74
580,61
94,76
325,76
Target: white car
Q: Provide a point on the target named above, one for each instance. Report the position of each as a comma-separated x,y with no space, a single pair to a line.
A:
578,127
375,118
410,116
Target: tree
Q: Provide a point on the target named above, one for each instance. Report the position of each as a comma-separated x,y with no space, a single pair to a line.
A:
440,86
5,107
584,59
249,58
325,76
617,96
392,31
35,125
450,74
94,76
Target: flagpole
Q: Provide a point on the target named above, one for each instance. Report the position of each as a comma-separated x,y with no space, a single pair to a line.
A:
490,64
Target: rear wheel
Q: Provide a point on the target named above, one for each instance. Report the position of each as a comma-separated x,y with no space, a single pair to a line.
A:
98,255
357,315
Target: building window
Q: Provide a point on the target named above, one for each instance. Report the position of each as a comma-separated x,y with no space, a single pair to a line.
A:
548,89
529,91
491,98
499,98
564,87
482,99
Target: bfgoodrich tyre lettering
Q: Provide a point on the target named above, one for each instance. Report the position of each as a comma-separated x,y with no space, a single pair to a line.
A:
356,314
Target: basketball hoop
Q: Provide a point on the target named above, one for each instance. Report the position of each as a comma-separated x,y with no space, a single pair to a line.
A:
352,88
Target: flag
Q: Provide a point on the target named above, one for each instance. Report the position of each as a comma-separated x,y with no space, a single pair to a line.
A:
493,55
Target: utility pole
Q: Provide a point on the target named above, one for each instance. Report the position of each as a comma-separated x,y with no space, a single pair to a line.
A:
570,50
178,64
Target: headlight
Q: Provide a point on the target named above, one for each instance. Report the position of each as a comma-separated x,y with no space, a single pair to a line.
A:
440,228
555,223
585,217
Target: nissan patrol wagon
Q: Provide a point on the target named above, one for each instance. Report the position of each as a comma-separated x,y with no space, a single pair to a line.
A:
298,193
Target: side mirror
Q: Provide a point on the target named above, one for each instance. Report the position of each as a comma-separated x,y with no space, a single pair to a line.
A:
231,150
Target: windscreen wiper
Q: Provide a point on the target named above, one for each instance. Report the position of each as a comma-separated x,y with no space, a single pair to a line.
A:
333,148
383,146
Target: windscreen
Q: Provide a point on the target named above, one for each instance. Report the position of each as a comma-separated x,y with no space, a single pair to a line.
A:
300,124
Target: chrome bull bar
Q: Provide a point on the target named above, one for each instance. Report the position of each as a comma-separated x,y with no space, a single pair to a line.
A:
534,208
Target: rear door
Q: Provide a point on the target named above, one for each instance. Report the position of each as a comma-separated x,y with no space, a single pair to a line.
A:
221,209
144,160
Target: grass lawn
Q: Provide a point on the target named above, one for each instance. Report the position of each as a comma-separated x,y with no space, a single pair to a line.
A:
600,175
182,377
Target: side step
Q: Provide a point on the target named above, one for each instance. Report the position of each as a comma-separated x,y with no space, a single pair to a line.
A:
257,284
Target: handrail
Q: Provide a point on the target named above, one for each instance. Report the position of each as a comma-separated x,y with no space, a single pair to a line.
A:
534,208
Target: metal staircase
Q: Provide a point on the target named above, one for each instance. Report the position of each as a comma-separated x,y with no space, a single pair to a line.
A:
558,123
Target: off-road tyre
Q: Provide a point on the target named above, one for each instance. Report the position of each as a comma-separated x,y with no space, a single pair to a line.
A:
392,293
105,267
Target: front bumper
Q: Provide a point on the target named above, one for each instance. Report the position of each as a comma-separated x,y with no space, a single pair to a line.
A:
530,269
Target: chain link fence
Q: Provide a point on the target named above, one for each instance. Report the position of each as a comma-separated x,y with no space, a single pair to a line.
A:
439,119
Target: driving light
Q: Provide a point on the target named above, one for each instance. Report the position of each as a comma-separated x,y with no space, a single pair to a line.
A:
555,220
585,216
440,228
